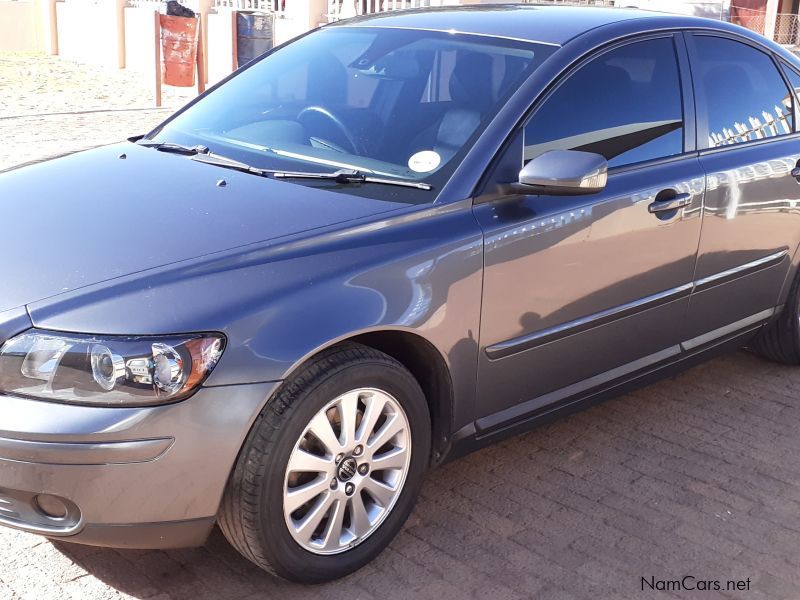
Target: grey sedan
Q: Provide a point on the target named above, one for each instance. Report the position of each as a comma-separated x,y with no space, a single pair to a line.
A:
376,248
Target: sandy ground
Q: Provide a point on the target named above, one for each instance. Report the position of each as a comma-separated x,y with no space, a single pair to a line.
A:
49,106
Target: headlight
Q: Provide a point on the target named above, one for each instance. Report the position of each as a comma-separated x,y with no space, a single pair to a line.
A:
107,369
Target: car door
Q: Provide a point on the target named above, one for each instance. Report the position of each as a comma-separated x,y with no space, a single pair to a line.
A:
748,148
582,290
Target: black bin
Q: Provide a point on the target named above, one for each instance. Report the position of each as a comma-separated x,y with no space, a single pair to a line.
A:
254,36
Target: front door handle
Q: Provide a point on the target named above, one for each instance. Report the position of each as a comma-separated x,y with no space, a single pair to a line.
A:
674,203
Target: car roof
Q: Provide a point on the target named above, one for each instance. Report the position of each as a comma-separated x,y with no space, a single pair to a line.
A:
531,23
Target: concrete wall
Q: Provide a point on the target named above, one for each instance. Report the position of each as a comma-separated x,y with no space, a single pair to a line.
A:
140,34
20,27
92,31
220,45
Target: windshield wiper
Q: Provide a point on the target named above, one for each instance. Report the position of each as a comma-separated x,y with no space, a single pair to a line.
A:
173,147
218,160
204,155
350,176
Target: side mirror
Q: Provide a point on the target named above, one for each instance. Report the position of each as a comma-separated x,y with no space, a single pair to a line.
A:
564,173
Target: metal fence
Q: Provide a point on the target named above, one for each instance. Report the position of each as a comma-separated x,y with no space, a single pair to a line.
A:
341,9
787,29
787,25
573,2
748,17
274,6
160,4
768,125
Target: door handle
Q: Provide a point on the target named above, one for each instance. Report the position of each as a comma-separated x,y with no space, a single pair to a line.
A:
674,203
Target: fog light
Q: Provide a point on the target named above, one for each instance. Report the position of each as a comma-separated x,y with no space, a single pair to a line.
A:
50,506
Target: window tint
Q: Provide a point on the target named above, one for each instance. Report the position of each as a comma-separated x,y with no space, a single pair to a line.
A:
396,102
316,79
501,71
625,104
794,81
742,92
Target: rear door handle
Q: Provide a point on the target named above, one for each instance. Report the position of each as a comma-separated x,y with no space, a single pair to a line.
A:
674,203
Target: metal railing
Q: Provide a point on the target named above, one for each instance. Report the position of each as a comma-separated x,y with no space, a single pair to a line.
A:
145,3
572,2
275,6
768,125
342,9
787,29
158,4
748,17
787,25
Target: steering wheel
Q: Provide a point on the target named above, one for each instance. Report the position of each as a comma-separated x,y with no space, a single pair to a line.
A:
355,146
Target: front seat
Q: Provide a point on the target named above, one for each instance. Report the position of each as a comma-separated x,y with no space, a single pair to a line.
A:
472,97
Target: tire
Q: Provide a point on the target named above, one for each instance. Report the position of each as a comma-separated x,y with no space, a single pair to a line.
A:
252,514
779,341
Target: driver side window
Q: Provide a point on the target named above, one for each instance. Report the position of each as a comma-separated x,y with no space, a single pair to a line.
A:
624,104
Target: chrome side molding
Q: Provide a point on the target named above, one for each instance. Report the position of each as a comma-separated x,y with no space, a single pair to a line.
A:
740,271
557,332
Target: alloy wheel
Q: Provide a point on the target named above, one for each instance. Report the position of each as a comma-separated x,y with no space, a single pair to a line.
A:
346,471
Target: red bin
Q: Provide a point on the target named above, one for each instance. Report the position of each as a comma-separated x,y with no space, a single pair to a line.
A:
179,48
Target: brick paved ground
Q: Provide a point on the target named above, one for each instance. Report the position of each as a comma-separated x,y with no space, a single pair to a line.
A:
698,475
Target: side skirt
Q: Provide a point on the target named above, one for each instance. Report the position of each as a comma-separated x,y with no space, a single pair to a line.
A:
511,422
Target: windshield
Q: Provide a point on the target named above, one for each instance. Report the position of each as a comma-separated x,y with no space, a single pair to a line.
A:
396,103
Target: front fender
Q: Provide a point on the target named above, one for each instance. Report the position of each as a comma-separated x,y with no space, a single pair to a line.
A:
281,302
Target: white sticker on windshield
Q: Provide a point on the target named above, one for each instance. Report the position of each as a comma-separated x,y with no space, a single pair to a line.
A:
424,162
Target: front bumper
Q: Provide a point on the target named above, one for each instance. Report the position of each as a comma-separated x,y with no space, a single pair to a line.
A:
148,477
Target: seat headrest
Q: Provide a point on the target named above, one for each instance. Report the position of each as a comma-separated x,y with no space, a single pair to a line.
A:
471,80
327,81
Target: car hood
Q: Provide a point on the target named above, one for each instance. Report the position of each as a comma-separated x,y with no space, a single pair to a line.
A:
109,212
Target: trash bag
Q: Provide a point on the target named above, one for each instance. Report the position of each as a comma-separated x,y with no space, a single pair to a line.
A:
176,9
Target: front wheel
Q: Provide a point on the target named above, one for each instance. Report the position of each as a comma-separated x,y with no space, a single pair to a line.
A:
331,469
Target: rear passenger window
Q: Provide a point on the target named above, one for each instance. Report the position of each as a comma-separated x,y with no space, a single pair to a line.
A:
625,104
794,82
741,91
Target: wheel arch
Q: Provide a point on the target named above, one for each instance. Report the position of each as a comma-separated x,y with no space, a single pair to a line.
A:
425,362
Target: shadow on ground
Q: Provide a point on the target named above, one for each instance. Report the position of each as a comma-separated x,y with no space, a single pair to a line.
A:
698,475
